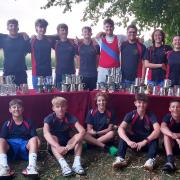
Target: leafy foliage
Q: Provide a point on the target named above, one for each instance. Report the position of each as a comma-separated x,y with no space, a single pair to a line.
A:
147,13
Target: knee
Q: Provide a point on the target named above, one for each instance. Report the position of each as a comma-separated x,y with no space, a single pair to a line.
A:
35,141
2,141
111,134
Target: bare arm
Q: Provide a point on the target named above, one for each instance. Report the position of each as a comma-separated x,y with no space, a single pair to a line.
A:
104,131
166,131
122,133
147,64
156,132
81,131
48,136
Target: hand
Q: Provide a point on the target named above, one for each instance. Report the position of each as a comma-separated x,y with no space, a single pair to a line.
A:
132,144
70,146
77,41
163,67
100,35
141,144
92,132
62,150
33,36
178,142
25,36
174,136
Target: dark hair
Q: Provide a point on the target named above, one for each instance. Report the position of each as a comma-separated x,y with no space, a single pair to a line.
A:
41,23
62,26
141,97
12,21
109,21
103,94
174,100
162,34
88,28
16,102
132,26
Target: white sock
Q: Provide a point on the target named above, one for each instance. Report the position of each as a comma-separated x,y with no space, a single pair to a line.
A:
32,159
62,162
3,159
77,160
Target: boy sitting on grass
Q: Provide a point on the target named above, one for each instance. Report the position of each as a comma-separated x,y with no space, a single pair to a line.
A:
18,139
57,128
139,130
170,128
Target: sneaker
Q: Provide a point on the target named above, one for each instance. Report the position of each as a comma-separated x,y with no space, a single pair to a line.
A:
119,162
5,171
149,164
30,171
169,167
66,171
78,169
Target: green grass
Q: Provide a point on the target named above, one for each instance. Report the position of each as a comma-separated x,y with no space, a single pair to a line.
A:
98,166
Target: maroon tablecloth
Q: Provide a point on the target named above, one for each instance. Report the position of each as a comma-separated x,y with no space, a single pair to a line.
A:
122,103
38,105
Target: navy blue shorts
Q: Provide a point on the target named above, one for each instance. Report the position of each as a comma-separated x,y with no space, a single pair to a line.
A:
18,149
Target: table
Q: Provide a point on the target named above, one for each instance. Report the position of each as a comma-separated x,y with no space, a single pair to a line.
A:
122,103
38,105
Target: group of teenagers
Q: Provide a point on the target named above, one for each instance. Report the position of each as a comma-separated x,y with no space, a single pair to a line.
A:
94,57
139,130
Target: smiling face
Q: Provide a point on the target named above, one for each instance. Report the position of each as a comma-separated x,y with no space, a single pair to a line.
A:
101,103
40,30
176,43
86,33
158,37
131,34
108,28
174,108
62,33
141,106
16,110
13,29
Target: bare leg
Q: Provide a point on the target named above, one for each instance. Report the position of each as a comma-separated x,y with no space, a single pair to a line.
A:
92,140
107,137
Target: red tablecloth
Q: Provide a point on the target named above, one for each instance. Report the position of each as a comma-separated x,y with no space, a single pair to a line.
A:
38,105
122,103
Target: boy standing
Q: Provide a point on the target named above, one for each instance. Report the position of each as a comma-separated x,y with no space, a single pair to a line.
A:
143,132
132,53
110,45
18,139
41,52
15,49
65,50
170,127
88,59
57,128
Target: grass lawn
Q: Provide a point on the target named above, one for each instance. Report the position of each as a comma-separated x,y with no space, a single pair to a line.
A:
98,166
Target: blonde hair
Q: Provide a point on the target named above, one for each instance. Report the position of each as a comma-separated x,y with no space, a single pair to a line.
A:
59,101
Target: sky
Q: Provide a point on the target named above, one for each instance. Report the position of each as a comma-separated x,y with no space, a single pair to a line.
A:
27,11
